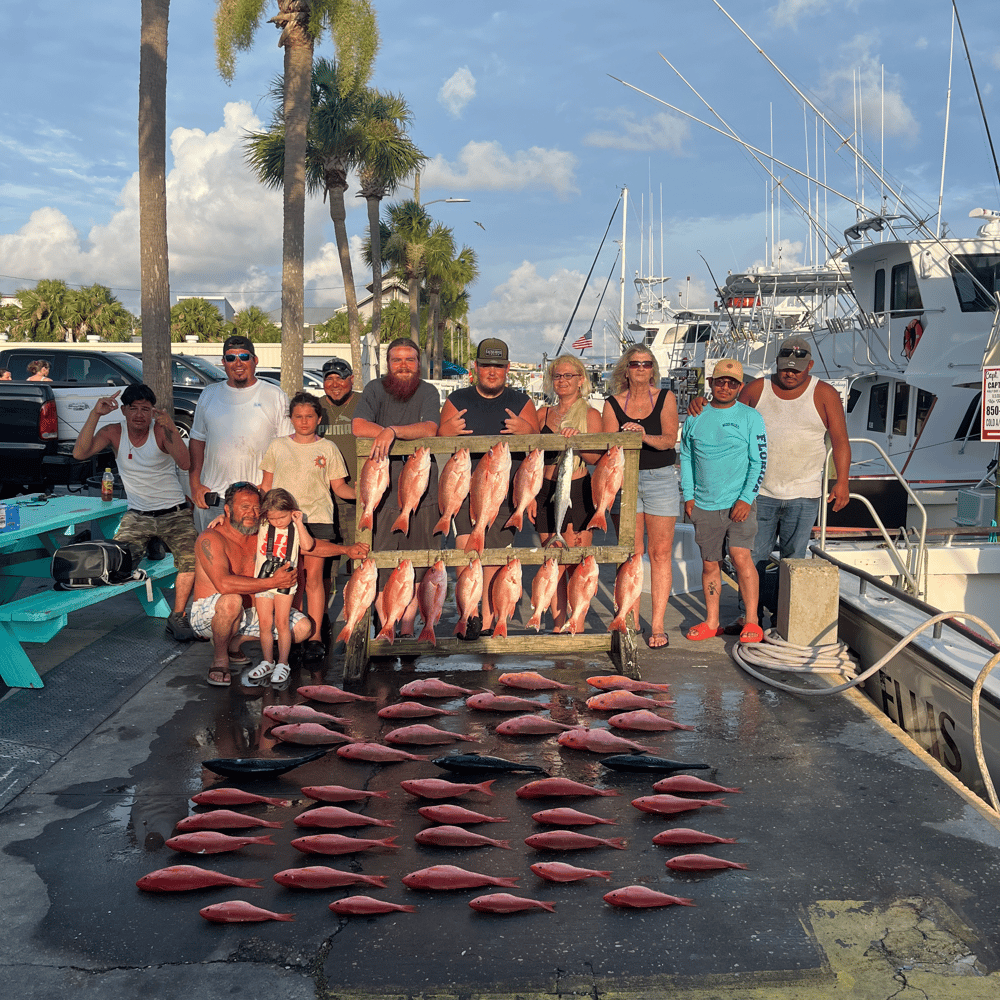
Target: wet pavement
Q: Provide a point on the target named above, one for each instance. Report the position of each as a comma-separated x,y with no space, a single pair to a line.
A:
867,873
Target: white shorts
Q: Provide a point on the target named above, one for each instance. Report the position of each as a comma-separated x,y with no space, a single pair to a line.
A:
203,611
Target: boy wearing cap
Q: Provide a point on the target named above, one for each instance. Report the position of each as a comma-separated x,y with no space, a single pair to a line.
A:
723,453
488,407
799,410
339,403
234,422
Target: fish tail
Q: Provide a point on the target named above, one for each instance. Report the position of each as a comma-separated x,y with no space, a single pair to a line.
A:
681,901
367,520
390,842
510,883
402,523
263,840
716,802
556,538
546,906
406,908
427,635
379,795
248,883
376,880
536,620
618,624
443,526
505,844
620,842
284,916
486,786
477,540
500,629
345,634
461,627
597,521
388,633
516,520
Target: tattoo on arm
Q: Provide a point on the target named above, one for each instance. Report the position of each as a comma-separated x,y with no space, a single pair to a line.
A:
206,550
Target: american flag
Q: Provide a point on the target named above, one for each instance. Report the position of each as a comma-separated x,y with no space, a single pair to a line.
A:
582,343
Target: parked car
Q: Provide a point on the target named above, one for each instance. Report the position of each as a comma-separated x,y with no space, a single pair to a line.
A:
312,379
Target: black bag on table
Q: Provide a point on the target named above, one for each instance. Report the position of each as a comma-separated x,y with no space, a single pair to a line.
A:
92,564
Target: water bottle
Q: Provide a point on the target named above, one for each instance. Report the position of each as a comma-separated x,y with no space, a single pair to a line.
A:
108,485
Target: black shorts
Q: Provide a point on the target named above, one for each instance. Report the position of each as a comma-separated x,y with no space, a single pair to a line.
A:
497,536
577,516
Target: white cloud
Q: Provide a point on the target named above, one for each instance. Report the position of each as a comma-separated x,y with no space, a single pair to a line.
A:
659,131
457,91
859,74
223,227
530,311
485,166
788,13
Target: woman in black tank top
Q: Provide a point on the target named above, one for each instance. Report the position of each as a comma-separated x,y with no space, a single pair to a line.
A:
639,405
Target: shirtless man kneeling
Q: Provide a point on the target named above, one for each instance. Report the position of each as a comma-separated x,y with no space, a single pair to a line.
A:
224,584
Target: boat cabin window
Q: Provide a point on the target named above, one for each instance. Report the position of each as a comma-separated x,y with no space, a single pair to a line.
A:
698,333
925,401
900,408
852,398
650,336
879,303
971,421
878,404
985,267
906,299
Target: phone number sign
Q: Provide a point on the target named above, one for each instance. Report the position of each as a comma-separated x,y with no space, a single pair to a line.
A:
990,430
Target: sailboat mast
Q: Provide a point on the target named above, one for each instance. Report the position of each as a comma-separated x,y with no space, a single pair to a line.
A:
947,116
621,303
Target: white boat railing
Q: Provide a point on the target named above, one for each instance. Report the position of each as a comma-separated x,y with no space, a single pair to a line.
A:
914,568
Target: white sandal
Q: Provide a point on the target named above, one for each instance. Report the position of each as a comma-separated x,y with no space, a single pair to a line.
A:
258,676
279,676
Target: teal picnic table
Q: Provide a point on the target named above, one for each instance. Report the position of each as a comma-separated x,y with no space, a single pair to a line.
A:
27,552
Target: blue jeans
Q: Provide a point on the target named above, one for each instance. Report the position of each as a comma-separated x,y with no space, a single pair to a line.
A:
785,525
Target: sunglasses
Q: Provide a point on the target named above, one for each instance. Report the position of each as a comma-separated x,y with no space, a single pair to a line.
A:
640,364
242,356
793,352
559,376
727,382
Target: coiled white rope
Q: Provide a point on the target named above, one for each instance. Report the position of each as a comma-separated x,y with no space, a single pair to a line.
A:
743,655
779,654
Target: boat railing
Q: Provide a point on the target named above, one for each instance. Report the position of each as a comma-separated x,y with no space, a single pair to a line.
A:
913,569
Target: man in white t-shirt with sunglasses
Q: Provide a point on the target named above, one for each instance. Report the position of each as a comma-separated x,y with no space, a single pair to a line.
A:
234,423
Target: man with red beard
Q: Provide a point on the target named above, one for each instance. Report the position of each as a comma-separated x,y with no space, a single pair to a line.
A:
400,406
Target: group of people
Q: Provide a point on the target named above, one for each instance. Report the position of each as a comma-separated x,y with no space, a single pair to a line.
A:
272,482
38,372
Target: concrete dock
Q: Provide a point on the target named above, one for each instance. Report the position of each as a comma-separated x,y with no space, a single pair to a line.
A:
869,873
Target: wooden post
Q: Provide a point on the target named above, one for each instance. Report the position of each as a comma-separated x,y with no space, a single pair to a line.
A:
361,647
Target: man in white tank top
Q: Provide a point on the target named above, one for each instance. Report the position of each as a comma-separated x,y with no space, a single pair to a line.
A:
799,411
148,451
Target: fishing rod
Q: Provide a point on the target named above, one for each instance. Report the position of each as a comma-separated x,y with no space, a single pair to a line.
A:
589,273
975,83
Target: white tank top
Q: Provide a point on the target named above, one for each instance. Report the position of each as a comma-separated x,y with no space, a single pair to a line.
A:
148,475
796,444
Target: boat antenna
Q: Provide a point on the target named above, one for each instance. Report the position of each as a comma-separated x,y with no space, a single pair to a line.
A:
947,119
611,274
587,279
975,83
722,297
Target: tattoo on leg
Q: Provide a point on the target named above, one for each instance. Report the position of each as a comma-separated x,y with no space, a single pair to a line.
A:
712,589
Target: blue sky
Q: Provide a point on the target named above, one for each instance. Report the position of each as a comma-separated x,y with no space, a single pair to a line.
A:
514,106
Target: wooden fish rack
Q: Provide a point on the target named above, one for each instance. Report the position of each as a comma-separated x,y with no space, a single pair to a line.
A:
362,647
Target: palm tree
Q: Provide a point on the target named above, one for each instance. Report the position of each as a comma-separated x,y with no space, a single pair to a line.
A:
196,317
43,312
254,323
153,255
387,157
95,309
449,288
354,29
441,251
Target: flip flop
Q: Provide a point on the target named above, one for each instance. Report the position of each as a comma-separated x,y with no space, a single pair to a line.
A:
752,633
219,672
659,645
703,630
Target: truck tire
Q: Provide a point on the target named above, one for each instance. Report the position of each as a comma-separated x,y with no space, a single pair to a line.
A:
183,422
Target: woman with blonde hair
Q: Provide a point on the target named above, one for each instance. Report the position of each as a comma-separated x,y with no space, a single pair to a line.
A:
639,404
569,415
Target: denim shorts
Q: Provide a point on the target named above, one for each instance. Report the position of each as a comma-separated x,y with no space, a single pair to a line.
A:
659,492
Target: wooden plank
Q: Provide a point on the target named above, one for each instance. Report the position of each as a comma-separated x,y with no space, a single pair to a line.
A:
534,556
558,645
479,444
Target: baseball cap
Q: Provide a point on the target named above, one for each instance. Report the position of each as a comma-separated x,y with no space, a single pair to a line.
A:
491,349
337,366
728,368
789,361
237,340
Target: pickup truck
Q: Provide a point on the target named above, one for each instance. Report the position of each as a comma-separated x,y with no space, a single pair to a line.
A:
42,420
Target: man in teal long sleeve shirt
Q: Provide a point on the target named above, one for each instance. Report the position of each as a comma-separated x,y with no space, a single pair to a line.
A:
723,453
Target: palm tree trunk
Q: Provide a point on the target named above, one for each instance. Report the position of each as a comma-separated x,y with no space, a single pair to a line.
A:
338,213
298,45
413,293
153,254
375,235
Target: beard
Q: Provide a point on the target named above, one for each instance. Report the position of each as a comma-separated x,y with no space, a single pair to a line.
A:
242,528
400,388
490,393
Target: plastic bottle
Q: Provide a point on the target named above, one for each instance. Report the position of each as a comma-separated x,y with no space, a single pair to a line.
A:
108,485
